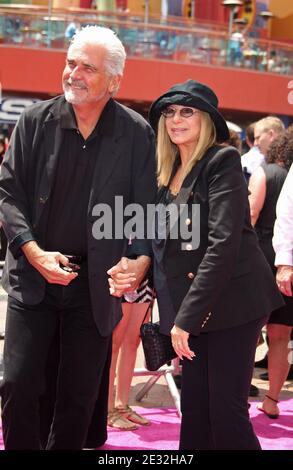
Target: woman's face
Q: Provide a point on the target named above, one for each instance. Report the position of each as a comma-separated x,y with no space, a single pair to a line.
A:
183,124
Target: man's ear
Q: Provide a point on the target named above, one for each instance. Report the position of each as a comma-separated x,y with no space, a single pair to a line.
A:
114,84
272,134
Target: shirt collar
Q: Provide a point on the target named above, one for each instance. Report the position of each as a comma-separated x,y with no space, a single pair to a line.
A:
67,116
103,126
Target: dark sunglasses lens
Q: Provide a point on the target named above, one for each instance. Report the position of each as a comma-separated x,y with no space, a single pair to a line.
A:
186,112
169,112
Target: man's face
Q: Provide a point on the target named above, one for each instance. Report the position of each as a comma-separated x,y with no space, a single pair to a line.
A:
263,138
85,79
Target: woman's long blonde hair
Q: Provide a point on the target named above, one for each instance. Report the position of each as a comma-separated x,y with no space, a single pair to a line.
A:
167,151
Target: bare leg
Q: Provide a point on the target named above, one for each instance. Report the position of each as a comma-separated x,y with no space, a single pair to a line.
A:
135,314
118,335
127,357
278,364
127,331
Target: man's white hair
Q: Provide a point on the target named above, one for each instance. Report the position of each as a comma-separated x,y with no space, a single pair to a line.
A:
105,37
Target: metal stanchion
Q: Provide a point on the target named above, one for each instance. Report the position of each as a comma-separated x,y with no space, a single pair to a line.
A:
167,372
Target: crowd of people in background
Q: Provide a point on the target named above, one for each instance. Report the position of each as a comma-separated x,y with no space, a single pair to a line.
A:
242,47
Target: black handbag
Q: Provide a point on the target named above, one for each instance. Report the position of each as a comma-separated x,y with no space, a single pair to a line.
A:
157,348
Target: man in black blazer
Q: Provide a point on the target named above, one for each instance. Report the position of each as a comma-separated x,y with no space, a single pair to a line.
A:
69,158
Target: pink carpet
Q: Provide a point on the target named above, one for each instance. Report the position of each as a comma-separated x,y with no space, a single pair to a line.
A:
163,433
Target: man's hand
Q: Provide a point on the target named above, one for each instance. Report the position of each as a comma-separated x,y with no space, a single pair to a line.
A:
284,279
127,275
47,263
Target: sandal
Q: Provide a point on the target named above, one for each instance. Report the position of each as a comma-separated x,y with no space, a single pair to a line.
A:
133,416
118,420
269,415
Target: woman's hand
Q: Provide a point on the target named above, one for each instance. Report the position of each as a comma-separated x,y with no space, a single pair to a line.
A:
121,279
127,275
180,343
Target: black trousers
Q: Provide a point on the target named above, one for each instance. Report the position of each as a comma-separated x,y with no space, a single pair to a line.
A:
83,365
215,388
97,432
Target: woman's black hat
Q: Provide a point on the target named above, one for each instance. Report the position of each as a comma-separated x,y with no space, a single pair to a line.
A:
196,95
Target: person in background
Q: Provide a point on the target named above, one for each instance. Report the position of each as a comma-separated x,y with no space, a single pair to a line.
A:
283,237
236,43
126,339
214,287
253,158
265,186
69,155
266,130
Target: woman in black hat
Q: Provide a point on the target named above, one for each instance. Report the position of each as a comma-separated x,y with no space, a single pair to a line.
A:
214,287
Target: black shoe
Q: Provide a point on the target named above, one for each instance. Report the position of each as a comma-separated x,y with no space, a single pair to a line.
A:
264,376
263,363
2,334
254,391
290,374
177,380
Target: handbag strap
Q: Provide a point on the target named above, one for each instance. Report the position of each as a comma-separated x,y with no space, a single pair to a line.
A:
150,307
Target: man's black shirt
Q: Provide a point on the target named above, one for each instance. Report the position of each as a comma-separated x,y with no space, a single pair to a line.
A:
68,202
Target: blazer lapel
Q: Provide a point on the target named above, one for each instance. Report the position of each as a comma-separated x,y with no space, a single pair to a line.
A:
187,187
110,151
53,136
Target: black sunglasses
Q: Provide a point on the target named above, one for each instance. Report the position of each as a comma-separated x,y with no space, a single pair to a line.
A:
184,112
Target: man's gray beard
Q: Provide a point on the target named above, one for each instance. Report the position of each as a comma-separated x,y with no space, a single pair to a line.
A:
73,99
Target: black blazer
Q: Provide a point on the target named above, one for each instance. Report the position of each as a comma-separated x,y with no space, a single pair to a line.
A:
225,281
125,167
